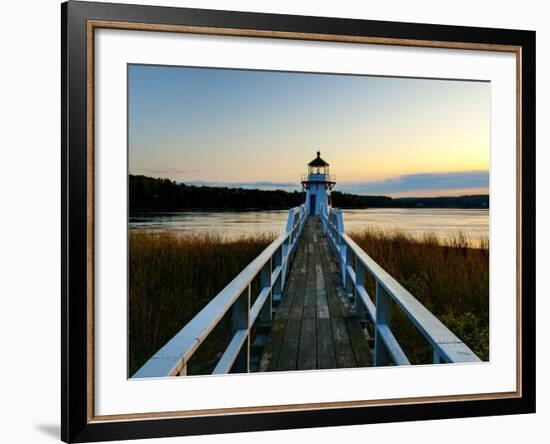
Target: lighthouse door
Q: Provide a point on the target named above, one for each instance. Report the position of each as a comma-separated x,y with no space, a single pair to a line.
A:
312,204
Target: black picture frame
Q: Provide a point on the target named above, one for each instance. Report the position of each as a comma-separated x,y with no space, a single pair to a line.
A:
76,423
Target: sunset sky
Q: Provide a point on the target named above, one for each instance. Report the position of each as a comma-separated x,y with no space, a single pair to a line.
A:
259,129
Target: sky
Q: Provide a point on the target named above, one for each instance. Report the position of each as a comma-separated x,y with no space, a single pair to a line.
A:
259,129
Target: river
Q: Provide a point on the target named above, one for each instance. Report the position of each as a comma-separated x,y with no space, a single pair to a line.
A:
444,222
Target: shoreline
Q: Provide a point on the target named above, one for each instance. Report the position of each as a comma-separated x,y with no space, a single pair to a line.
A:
388,235
272,210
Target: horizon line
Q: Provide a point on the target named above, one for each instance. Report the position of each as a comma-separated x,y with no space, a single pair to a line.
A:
294,187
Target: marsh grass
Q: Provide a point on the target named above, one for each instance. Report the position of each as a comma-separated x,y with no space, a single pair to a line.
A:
171,278
450,276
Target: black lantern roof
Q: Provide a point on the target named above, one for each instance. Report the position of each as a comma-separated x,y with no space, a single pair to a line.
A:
318,162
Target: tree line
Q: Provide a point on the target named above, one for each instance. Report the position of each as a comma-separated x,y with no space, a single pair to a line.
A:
147,194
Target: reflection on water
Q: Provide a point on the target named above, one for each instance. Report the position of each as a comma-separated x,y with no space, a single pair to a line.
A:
226,223
442,221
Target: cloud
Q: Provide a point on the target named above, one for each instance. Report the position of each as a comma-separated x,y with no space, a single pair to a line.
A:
425,182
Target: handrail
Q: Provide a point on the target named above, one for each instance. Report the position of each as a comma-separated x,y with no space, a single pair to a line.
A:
272,266
318,177
355,264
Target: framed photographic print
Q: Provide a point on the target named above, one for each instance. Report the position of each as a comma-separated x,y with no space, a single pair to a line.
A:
275,221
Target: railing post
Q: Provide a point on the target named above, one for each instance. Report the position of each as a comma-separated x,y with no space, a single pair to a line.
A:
350,261
290,220
240,319
343,257
342,245
278,285
265,281
436,357
383,316
339,221
360,280
336,245
284,257
337,227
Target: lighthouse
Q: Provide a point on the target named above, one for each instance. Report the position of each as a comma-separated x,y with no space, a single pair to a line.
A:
317,184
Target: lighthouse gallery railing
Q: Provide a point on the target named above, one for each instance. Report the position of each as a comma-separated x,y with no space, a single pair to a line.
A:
354,265
272,266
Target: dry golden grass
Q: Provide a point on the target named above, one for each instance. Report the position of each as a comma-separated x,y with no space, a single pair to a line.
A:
171,278
448,276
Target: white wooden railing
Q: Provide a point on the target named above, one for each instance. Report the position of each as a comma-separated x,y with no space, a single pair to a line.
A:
354,265
272,266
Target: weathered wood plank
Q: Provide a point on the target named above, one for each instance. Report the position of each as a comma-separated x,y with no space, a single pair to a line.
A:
321,293
363,356
288,356
307,354
309,311
270,354
298,267
297,304
345,303
334,304
357,343
272,350
345,358
325,345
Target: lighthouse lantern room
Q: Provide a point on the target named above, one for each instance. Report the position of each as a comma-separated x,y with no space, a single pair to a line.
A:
317,184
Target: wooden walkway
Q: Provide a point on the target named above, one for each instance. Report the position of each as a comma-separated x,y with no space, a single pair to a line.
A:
314,326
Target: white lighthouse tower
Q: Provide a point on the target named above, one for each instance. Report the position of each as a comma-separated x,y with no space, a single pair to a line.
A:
317,184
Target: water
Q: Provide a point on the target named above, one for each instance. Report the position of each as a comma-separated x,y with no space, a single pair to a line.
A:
474,224
226,223
444,222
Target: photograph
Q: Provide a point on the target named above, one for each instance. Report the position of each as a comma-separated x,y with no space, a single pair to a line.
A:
286,221
294,220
